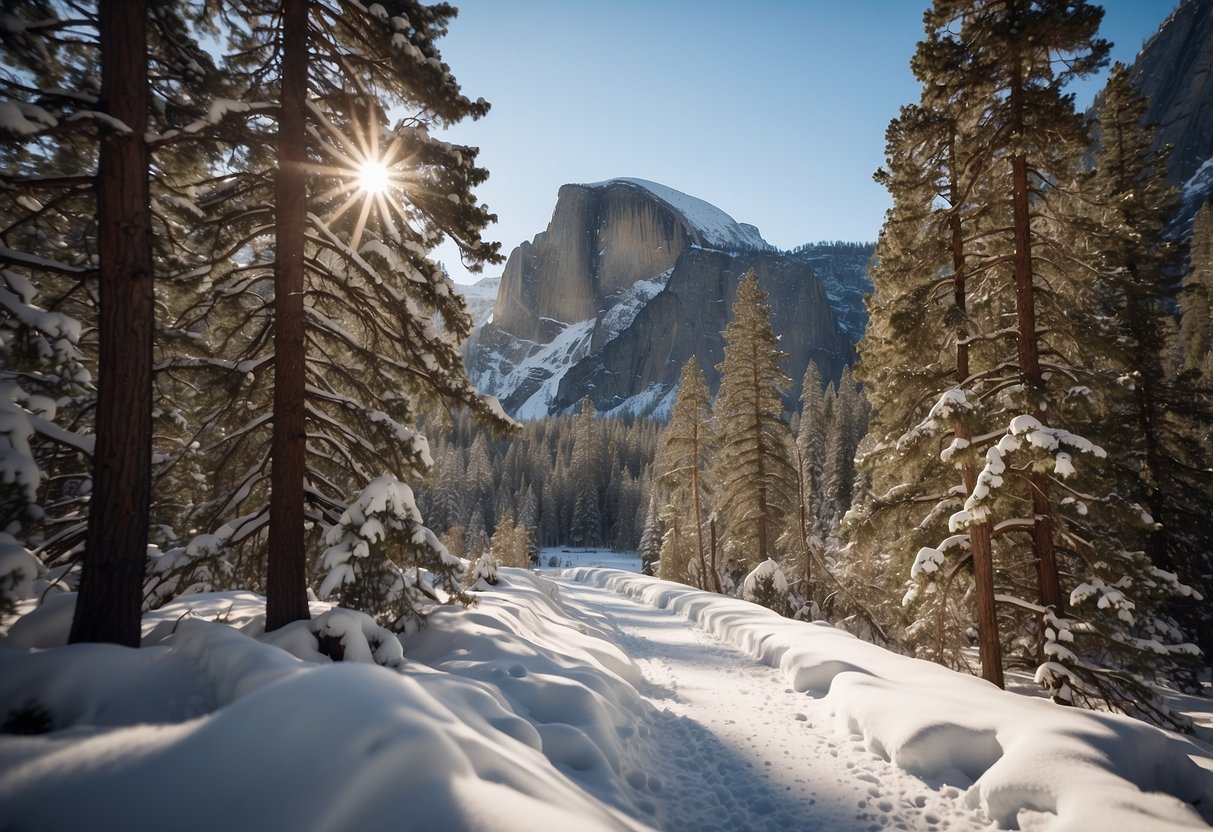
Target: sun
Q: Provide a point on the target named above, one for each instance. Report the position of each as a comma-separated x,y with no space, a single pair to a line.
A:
369,180
373,177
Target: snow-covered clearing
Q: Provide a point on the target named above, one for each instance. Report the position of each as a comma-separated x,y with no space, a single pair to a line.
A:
600,700
735,747
569,556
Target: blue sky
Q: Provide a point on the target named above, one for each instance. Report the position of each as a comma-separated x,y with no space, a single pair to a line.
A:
773,110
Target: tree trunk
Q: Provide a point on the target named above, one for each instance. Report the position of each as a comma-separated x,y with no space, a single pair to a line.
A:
703,566
1029,358
989,646
715,571
760,458
110,602
286,579
802,496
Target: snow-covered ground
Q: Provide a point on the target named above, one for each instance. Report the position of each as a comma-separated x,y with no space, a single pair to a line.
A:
601,699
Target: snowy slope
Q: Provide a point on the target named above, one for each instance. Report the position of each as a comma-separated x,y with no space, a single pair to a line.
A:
717,228
548,362
604,700
480,297
1195,192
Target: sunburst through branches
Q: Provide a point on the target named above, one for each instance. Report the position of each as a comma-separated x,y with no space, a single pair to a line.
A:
368,178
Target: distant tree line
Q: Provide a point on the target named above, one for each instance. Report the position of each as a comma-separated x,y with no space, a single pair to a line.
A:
567,480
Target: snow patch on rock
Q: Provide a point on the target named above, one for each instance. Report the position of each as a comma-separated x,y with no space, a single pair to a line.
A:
715,228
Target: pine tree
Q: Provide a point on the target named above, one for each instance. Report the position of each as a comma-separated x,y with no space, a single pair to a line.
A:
847,423
1134,410
68,226
586,520
811,437
110,604
650,540
914,351
1019,270
686,444
752,470
1196,302
478,482
373,325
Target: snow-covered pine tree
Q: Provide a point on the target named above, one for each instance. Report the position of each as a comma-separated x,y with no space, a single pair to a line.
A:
49,72
382,560
326,299
650,539
1027,133
1196,301
686,447
1133,409
586,527
1041,482
756,481
768,586
915,350
82,97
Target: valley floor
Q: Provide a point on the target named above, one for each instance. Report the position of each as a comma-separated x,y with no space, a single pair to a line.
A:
736,748
585,698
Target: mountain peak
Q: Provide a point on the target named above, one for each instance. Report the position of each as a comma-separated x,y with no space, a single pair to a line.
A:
715,228
631,278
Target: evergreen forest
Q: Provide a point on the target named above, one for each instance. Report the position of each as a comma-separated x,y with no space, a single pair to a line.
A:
230,359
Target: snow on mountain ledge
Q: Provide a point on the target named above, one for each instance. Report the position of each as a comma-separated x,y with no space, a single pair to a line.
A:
717,228
550,361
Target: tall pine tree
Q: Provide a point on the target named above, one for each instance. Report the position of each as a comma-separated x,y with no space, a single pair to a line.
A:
686,444
752,469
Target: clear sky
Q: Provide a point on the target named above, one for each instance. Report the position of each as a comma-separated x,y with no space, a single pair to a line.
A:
772,110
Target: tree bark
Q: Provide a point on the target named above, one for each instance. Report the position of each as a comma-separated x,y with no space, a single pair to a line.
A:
1029,358
988,643
760,456
110,602
715,571
703,566
286,578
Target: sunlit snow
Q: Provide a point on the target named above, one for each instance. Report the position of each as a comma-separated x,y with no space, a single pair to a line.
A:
601,699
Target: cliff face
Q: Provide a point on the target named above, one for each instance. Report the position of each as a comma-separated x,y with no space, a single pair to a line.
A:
628,281
1175,69
600,240
639,368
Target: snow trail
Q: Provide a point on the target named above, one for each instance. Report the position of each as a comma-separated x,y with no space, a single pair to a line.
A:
734,747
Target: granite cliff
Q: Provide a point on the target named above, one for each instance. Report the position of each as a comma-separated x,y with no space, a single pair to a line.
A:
630,279
1175,70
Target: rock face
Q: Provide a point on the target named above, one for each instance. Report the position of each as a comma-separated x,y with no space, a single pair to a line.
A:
637,371
629,280
1175,69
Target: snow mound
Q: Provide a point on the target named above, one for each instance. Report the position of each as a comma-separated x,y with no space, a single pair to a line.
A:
509,716
716,228
1029,763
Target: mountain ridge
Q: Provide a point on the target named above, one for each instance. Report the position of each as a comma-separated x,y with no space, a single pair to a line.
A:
629,279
